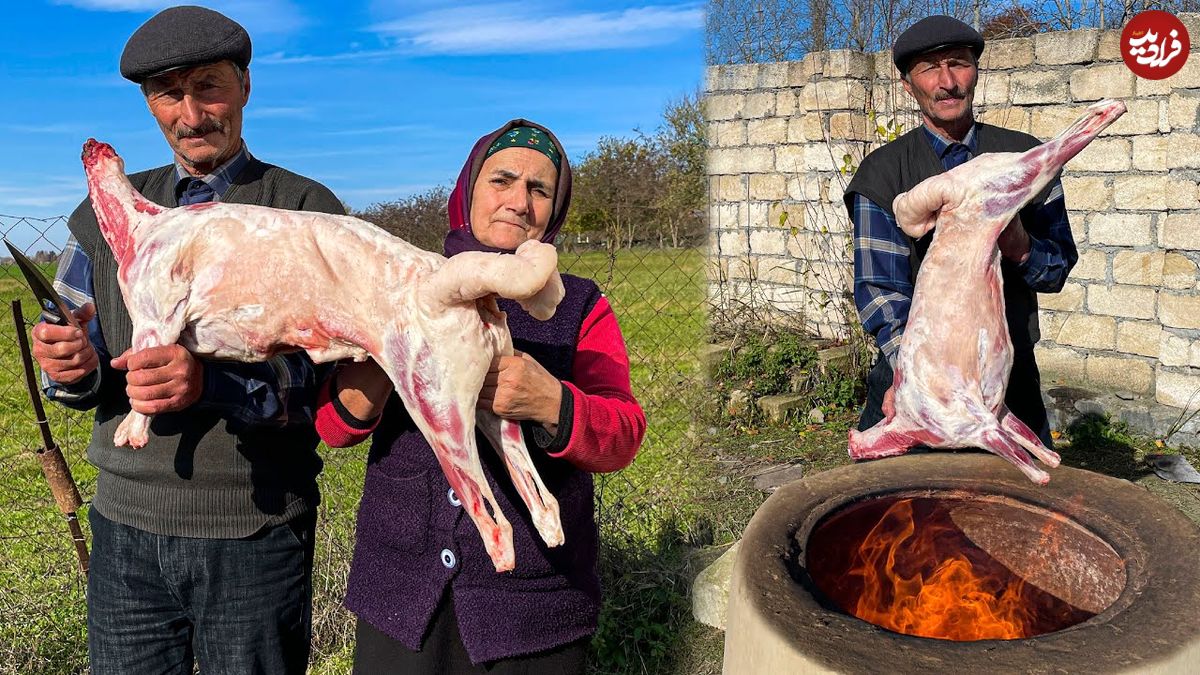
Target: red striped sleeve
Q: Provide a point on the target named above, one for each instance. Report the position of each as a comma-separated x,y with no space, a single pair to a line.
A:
333,428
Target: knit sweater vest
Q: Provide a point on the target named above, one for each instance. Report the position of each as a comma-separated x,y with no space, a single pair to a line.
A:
902,164
414,543
200,475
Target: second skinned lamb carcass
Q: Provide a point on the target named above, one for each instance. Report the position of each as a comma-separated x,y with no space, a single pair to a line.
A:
242,282
952,370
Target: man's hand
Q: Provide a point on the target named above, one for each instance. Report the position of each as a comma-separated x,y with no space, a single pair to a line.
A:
518,388
889,403
1014,241
161,379
64,353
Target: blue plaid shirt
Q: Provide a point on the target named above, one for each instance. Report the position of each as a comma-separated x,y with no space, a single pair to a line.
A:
883,286
250,393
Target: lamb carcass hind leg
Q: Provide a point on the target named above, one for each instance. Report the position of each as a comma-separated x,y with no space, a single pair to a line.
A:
507,439
1002,442
887,439
1023,435
134,430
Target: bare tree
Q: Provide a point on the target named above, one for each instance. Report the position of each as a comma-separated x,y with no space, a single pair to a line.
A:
421,219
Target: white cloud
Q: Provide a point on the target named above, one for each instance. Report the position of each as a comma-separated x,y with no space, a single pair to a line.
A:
513,28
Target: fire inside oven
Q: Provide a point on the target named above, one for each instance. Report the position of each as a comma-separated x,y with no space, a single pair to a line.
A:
962,567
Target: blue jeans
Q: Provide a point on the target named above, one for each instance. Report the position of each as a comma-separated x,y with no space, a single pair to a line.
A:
156,603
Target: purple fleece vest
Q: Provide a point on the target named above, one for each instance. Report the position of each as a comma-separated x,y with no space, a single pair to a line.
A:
413,542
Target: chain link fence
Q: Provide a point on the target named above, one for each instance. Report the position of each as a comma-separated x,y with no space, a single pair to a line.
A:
658,296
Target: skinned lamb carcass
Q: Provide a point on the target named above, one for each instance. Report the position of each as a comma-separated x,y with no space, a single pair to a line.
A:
242,282
955,355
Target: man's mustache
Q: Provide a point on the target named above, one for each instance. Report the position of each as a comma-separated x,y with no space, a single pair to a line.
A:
953,93
204,129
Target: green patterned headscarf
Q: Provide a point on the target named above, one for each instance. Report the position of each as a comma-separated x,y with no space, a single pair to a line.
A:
527,137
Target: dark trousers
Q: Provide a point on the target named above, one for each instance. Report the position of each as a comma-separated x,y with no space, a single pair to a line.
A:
443,653
1023,398
158,603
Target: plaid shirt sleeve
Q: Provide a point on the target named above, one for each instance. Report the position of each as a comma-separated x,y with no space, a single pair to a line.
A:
74,283
882,275
1052,252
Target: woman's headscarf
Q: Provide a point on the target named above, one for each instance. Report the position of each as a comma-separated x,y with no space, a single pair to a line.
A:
460,238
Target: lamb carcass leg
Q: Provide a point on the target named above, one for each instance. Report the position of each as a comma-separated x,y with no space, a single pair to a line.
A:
955,355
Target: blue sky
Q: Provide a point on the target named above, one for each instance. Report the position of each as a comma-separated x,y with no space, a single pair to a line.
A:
378,99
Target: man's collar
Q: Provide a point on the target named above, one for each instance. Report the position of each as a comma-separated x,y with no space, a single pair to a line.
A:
221,178
941,144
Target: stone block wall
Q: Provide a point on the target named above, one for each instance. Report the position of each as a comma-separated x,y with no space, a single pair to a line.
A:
780,135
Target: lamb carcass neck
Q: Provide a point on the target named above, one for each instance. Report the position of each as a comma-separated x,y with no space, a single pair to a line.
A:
952,370
243,282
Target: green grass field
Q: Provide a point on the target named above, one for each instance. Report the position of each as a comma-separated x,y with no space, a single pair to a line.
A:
658,297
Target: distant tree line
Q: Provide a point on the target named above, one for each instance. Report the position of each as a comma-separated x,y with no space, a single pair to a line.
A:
644,190
757,31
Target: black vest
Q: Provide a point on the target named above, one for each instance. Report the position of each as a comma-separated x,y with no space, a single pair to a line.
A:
902,164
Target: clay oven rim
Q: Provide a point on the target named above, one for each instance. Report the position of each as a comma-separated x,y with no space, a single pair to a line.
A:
1154,616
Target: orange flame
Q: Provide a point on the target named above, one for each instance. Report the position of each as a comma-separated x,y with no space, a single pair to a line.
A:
919,585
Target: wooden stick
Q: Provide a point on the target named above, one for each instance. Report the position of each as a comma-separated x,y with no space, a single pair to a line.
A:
54,465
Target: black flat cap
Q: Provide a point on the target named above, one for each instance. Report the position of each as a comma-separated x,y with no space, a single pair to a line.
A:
933,33
183,36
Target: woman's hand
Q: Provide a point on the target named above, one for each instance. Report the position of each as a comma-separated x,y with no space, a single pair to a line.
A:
518,388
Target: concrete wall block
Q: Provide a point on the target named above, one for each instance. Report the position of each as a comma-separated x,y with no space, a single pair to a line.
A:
1103,154
712,78
1069,299
769,241
786,102
1062,47
723,106
884,68
849,63
1142,116
789,159
825,156
1012,53
1179,272
738,76
1057,362
1134,302
1114,372
727,134
726,216
772,75
993,88
1139,337
1188,77
1178,350
809,187
768,187
769,131
1138,268
810,127
795,216
1051,323
1089,332
1090,193
1182,109
1109,47
835,95
1180,231
740,160
727,189
1039,87
1184,151
1007,116
1179,311
1150,153
1107,81
1078,222
1120,229
733,243
1152,192
759,104
1048,121
1092,265
852,126
778,271
1178,388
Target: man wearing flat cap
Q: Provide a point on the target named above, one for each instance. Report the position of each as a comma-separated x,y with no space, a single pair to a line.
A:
938,59
203,539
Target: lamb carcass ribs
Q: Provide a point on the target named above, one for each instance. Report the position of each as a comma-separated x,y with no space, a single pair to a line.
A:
952,370
242,282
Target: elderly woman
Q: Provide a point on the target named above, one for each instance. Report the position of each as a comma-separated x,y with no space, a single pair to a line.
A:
427,597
